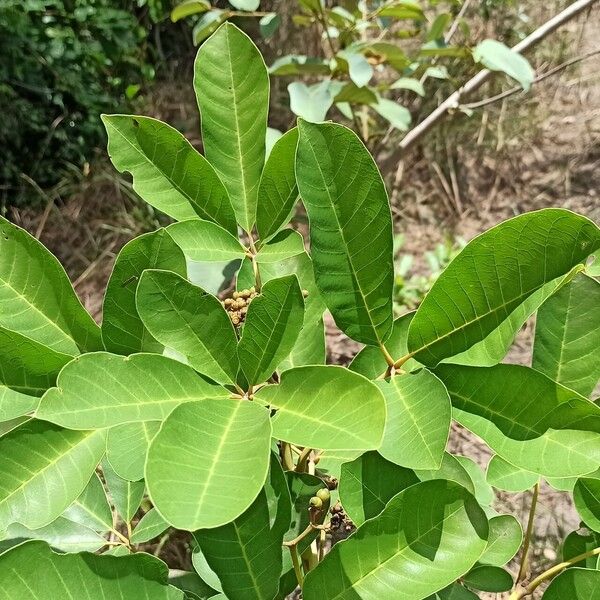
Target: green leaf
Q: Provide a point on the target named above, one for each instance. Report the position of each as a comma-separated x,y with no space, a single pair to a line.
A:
330,461
454,592
272,325
269,24
427,536
126,495
586,496
232,89
399,116
504,540
452,469
504,476
43,469
151,525
205,485
102,390
483,491
189,7
496,56
495,273
359,68
127,447
567,336
33,571
404,9
122,329
488,578
37,298
292,64
418,420
310,345
277,191
408,83
27,370
576,544
311,102
326,407
369,482
350,229
190,321
370,361
574,584
91,508
207,24
520,401
167,171
286,244
246,554
247,5
352,94
192,584
61,534
564,453
204,241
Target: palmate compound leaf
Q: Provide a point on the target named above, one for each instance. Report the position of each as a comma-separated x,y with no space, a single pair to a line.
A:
574,584
167,171
278,191
520,401
33,571
36,296
326,407
418,420
567,336
562,453
246,554
428,535
122,329
232,89
273,323
350,229
205,484
43,469
369,482
102,390
495,273
190,321
27,370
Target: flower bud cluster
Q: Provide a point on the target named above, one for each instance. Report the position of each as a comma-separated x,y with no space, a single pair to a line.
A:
237,305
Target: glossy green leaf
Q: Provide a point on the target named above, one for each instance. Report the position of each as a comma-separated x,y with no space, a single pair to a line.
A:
33,571
278,191
311,102
520,401
189,7
574,584
488,578
299,65
61,534
504,476
408,83
454,591
504,540
483,491
451,469
246,554
190,321
350,229
427,536
285,244
326,407
126,495
167,171
205,241
127,446
151,525
232,89
200,485
192,584
358,67
399,116
586,495
418,420
564,453
43,469
567,336
91,508
496,56
102,390
370,361
37,298
207,24
495,273
368,483
330,461
122,329
402,10
579,543
310,345
272,325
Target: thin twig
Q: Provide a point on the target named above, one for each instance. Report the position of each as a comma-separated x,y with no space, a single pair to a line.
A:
528,532
296,563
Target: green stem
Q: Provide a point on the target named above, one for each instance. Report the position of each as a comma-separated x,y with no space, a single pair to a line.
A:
388,357
297,567
528,532
302,460
286,456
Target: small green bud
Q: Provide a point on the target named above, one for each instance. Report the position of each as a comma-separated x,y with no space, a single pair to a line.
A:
316,502
324,495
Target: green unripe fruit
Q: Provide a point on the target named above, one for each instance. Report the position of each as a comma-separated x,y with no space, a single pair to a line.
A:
316,502
324,495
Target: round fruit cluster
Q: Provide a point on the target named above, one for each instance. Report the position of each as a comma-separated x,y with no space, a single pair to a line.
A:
237,305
